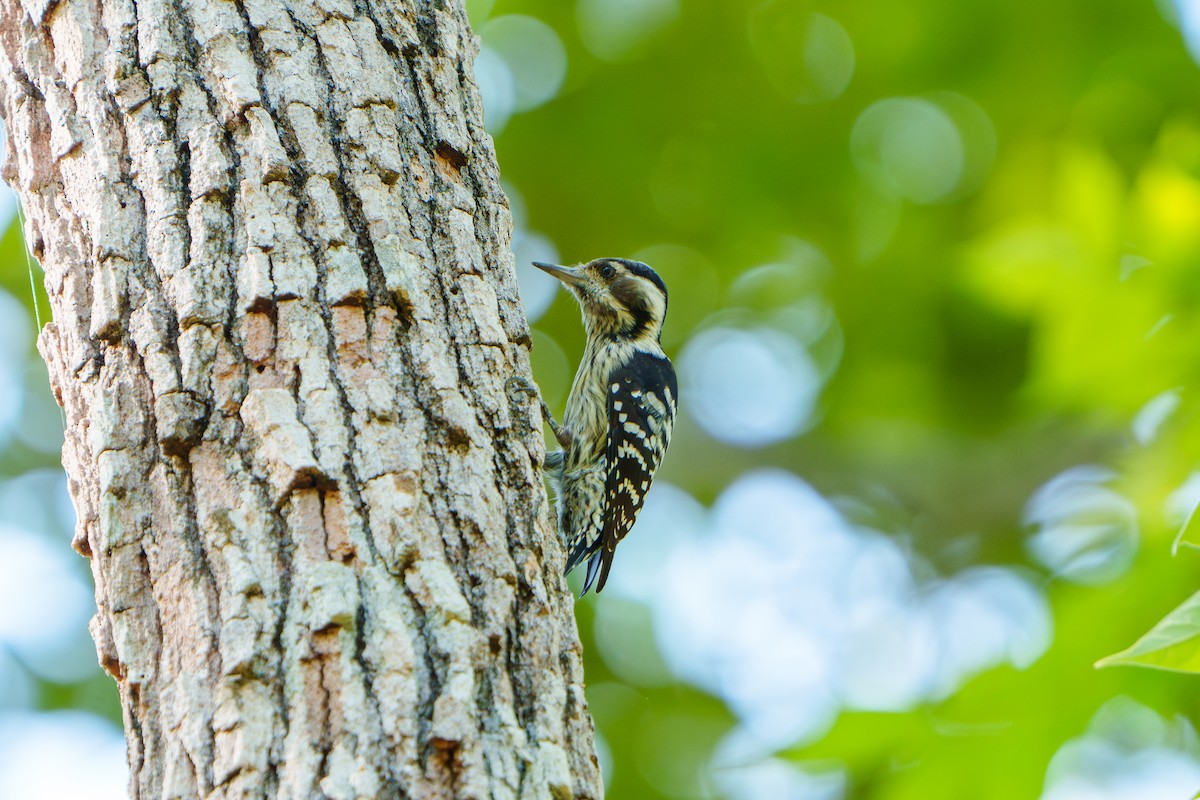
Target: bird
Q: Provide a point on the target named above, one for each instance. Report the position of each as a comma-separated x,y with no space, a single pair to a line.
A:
620,411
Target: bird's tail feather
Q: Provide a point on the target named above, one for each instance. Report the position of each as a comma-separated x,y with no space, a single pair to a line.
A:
593,568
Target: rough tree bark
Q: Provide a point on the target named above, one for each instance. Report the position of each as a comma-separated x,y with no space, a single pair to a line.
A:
276,250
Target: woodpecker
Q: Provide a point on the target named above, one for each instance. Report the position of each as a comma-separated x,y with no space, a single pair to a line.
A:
619,413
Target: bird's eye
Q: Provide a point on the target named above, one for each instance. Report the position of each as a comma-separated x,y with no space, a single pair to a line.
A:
607,271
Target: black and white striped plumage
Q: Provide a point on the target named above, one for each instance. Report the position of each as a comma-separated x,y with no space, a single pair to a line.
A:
619,413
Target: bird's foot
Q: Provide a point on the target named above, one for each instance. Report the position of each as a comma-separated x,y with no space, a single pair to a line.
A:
516,386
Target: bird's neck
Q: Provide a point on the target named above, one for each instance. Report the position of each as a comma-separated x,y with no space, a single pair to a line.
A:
646,342
624,326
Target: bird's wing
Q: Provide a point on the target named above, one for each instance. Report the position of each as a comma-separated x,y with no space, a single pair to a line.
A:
641,412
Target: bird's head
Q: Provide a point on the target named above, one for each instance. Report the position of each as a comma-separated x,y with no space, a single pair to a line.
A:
620,298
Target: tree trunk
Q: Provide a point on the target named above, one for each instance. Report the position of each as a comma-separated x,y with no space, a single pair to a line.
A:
276,251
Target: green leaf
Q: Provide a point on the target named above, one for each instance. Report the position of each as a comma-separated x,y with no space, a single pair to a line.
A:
1189,532
1172,644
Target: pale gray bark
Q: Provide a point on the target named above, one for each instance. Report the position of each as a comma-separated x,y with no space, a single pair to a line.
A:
276,250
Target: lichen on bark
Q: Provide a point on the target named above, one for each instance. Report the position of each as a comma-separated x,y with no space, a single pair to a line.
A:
276,251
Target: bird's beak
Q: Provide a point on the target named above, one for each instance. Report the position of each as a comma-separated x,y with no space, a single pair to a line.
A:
568,275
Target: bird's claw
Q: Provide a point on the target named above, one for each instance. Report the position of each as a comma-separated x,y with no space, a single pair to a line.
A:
516,386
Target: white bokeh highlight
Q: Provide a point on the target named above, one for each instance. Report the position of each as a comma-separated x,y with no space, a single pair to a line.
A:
775,779
38,500
45,604
985,616
18,690
497,88
1128,753
534,54
61,755
774,602
1153,774
1154,414
538,289
909,146
1085,531
1187,16
1179,509
749,387
622,30
17,330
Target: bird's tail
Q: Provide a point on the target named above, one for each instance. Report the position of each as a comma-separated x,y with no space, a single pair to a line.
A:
593,568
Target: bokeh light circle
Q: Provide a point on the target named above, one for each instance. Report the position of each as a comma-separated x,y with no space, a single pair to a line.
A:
44,606
1086,532
62,754
496,88
910,147
622,30
538,289
749,387
807,57
790,613
1129,751
534,55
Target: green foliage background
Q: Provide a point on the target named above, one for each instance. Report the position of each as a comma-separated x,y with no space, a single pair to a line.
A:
991,339
988,338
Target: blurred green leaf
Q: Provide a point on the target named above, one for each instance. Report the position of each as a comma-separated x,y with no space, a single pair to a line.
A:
1189,532
1173,644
